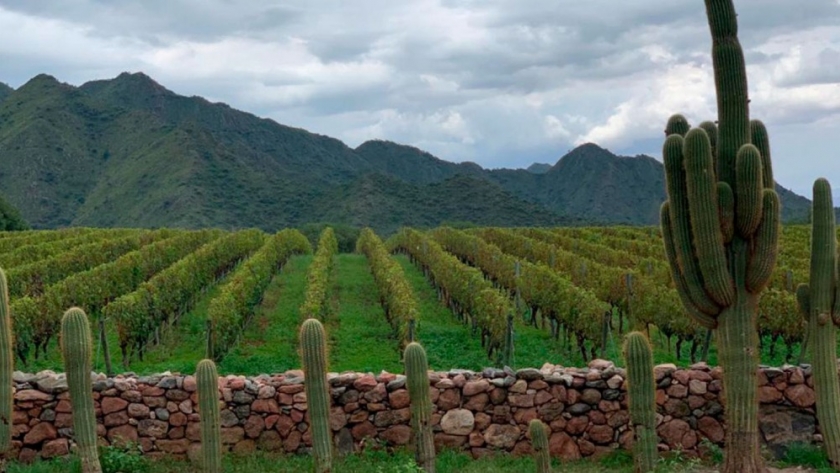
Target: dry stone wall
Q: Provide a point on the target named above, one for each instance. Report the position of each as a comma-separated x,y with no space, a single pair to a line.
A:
478,412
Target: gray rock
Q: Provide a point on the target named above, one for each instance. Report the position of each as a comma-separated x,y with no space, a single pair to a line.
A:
579,409
529,374
52,384
398,383
168,382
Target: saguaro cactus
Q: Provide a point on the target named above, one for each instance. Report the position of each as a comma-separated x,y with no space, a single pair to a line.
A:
820,305
417,379
76,350
314,347
6,368
539,440
207,379
642,400
720,225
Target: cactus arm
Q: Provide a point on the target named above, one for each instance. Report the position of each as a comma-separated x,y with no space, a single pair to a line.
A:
76,351
207,379
803,300
539,440
642,399
761,140
763,256
731,85
726,211
704,319
313,345
677,125
712,132
417,381
705,221
748,198
6,368
681,225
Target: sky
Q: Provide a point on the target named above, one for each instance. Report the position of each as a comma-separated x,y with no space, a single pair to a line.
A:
503,83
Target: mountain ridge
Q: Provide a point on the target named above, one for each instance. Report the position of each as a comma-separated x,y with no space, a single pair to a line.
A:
128,151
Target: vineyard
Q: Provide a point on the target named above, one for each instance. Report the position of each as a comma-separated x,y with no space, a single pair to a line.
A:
162,300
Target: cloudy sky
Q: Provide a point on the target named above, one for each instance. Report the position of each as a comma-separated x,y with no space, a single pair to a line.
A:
503,83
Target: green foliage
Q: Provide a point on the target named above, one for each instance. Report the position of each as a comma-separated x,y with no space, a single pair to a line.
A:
345,235
124,457
175,289
232,307
394,292
313,345
318,285
10,218
76,350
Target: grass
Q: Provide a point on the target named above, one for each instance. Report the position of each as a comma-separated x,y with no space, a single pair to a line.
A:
269,343
370,461
448,343
361,338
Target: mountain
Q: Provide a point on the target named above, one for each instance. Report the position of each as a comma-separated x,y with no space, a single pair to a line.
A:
539,168
5,91
129,152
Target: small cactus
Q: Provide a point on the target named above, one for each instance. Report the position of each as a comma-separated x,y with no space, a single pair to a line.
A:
417,380
819,304
539,440
6,368
207,379
642,391
314,347
76,350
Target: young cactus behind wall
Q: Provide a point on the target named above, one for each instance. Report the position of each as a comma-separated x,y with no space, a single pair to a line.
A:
417,380
76,351
207,379
820,305
314,346
642,400
539,440
6,368
720,226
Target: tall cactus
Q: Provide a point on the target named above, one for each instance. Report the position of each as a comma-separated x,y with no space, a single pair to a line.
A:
6,368
720,226
314,346
642,399
820,305
539,440
76,350
207,379
417,379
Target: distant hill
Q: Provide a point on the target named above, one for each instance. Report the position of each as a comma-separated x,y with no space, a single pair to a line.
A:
539,168
129,152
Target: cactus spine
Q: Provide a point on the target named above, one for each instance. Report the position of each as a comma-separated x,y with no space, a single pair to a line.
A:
6,368
820,305
207,379
642,400
417,379
313,345
539,440
720,226
76,350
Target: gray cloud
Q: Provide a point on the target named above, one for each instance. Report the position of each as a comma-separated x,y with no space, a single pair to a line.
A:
499,82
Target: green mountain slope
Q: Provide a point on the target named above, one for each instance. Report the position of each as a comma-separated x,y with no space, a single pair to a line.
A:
129,152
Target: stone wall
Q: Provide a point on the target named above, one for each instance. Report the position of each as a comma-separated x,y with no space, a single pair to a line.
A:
480,412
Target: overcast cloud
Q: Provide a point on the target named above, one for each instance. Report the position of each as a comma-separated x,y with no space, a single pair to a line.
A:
500,83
